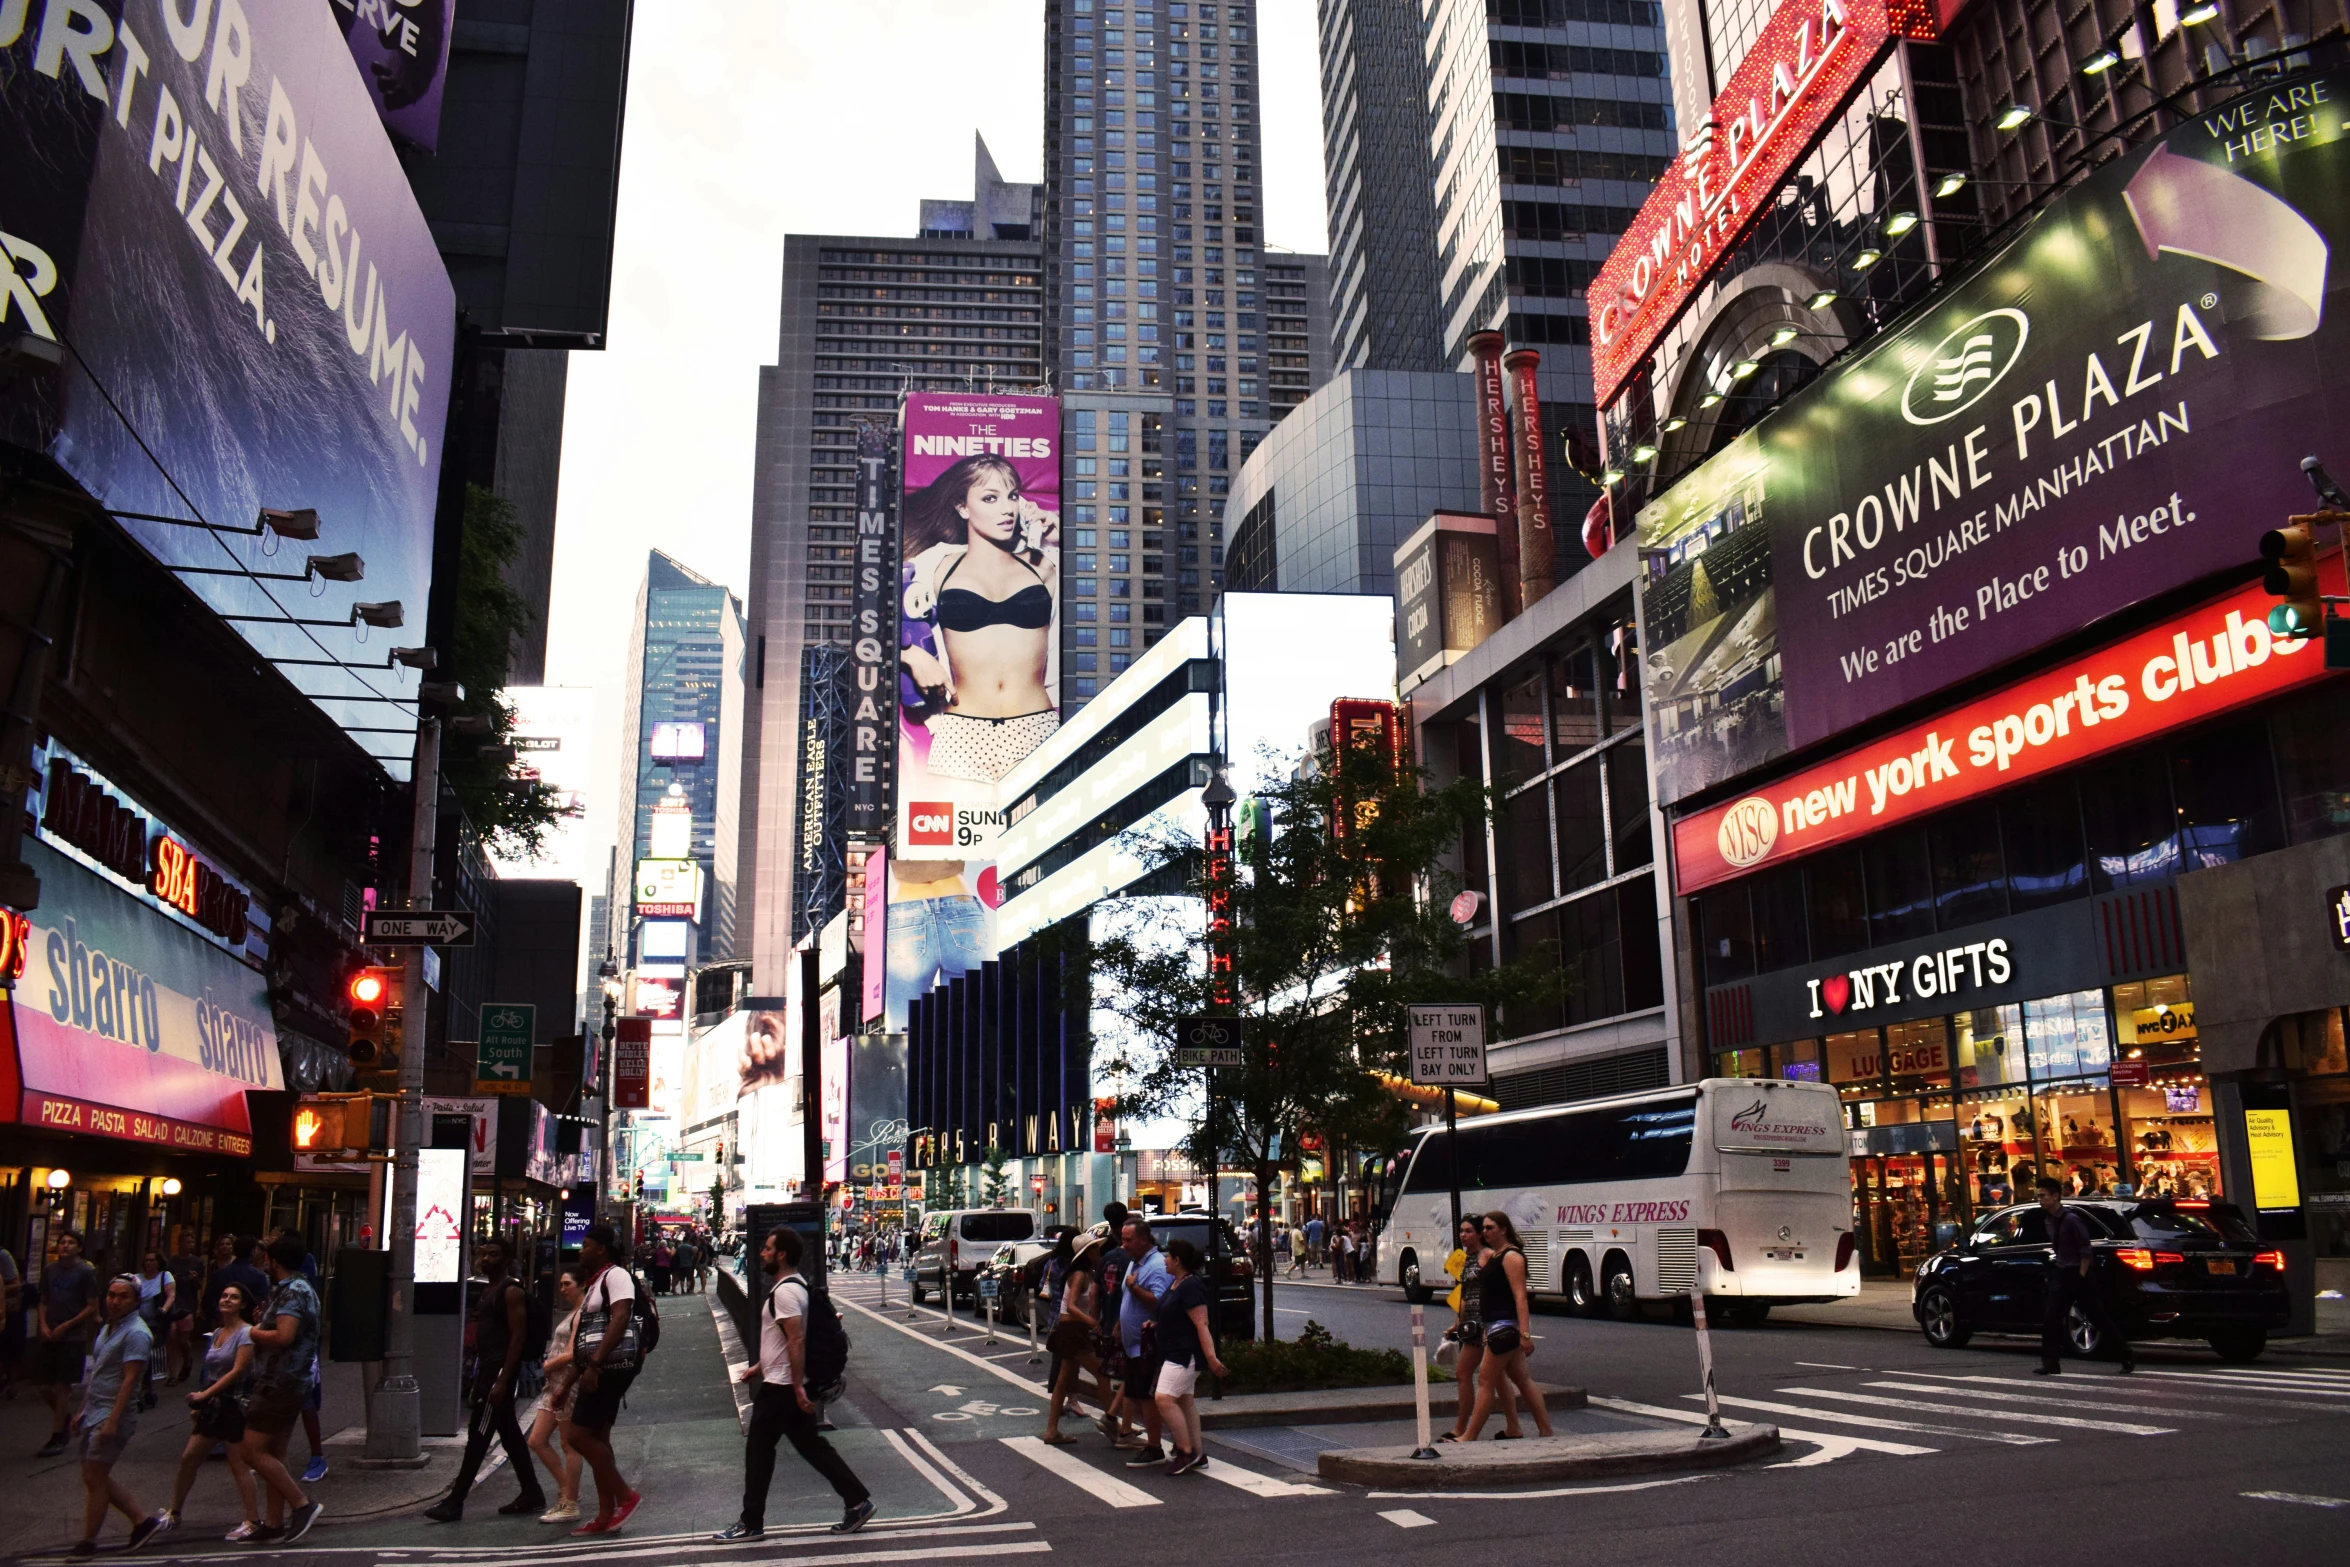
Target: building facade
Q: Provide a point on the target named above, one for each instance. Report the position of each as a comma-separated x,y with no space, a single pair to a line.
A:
864,319
1165,314
680,755
1381,196
2096,951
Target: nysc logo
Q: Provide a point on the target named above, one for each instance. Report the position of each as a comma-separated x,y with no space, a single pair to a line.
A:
1960,369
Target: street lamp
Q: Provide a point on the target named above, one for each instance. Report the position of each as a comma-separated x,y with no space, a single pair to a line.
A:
608,972
1130,1167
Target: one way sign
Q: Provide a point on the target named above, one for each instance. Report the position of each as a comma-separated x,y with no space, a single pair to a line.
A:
417,928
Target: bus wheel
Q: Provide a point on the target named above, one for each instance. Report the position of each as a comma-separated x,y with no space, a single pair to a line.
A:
1616,1287
1413,1290
1580,1298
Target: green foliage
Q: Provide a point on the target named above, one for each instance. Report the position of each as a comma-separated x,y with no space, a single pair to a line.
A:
1314,1360
999,1184
510,811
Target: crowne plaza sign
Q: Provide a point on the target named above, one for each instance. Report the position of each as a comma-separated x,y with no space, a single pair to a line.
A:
1797,77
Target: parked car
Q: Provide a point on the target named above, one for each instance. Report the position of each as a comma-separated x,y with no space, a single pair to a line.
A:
2170,1268
1017,1269
956,1241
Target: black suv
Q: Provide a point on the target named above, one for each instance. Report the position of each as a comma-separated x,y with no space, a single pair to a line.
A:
2170,1268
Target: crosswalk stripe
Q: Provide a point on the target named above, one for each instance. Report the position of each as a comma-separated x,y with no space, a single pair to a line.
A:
2170,1393
1405,1518
1255,1484
2042,1398
2116,1427
1102,1487
2275,1382
1880,1422
1692,1417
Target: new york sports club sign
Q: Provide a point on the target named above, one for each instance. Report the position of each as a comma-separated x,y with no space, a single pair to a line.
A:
1797,77
2189,667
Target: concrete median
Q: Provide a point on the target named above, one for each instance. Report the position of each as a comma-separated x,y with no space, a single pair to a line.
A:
1547,1458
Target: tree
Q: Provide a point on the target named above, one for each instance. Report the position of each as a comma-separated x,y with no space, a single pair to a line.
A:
1339,921
999,1185
508,807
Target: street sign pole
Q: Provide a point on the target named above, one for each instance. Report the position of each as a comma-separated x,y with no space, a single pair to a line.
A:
1448,1048
395,1426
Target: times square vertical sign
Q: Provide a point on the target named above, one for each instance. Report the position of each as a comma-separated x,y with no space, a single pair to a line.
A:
873,654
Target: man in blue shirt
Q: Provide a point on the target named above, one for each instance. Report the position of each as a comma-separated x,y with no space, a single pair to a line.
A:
109,1416
1138,1302
1314,1241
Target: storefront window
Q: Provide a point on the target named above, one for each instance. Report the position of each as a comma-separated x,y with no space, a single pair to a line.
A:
1856,1066
2133,834
1725,934
1918,1055
2065,1036
1901,888
1990,1047
2166,1112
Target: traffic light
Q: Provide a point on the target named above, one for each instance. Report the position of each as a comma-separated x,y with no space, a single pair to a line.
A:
341,1123
2289,573
369,992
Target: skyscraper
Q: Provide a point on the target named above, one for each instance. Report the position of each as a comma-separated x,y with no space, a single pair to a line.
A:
1157,293
863,318
1382,199
680,754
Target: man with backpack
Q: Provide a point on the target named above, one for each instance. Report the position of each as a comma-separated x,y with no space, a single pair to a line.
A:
801,1348
502,1332
618,1326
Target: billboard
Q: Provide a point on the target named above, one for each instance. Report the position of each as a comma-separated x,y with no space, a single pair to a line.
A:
402,50
213,218
2111,407
978,618
873,604
1447,592
877,1104
680,742
668,889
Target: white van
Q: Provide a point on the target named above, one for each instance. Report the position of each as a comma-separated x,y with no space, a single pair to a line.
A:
955,1241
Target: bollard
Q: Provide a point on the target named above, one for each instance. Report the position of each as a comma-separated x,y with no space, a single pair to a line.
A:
1714,1429
1034,1354
946,1303
988,1304
912,1309
1427,1447
883,1270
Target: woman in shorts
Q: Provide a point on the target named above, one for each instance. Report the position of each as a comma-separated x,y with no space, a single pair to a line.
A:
1468,1330
1184,1344
562,1374
1073,1336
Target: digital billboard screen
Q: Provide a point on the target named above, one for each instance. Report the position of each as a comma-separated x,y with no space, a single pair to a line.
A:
2109,408
213,218
678,742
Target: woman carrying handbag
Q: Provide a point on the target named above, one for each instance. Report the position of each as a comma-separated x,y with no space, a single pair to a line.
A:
1508,1313
218,1411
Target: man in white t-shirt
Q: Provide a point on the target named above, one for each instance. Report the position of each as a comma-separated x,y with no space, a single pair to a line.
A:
781,1407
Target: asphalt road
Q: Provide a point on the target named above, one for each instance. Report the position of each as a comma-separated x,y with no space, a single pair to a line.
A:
1890,1448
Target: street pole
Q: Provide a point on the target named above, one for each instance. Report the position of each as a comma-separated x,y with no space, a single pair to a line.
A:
1452,1154
1714,1429
395,1428
1427,1447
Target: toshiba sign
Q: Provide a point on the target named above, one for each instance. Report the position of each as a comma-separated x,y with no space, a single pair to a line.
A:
1797,76
2204,661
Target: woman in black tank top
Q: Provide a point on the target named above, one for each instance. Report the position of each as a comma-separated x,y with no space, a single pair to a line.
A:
1508,1312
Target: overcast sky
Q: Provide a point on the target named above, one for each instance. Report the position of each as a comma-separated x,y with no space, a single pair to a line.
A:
751,119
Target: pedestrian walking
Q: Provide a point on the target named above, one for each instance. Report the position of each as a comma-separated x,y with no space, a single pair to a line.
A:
285,1353
1076,1322
1314,1241
315,1402
1144,1280
1297,1253
2069,1285
657,1264
606,1353
155,1305
1184,1343
1108,1343
1468,1334
1507,1313
1341,1256
66,1307
216,1412
562,1374
229,1267
109,1416
780,1405
500,1331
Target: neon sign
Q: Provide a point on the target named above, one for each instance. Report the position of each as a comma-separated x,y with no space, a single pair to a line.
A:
1809,60
80,810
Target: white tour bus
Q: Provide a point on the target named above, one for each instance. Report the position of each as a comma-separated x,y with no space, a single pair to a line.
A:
1735,1186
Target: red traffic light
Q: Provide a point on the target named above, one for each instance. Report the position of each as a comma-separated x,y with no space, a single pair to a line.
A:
367,987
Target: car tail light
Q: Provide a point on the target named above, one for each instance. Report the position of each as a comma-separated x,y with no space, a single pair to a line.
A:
1241,1268
2272,1259
1845,1244
954,1252
2162,1257
1719,1244
2137,1258
2191,1202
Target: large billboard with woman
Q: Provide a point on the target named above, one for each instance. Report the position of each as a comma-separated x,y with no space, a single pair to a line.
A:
979,613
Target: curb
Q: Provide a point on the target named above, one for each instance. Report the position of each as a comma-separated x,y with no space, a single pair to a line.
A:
1243,1411
1557,1458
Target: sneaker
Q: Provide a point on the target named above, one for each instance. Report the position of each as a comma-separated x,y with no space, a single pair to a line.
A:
298,1521
1199,1460
316,1470
854,1519
527,1502
738,1531
248,1530
84,1548
600,1524
1144,1457
52,1447
264,1534
1177,1464
146,1529
447,1510
620,1513
561,1512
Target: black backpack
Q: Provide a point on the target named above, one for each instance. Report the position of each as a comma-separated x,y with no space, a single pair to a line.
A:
647,1316
825,1346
